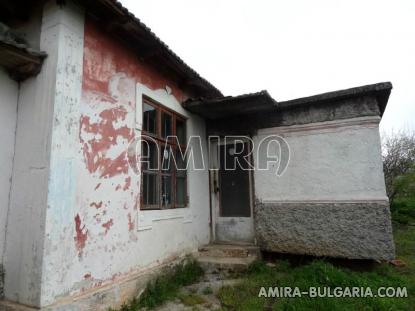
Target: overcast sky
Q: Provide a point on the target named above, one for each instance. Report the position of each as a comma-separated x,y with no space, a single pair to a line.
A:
294,48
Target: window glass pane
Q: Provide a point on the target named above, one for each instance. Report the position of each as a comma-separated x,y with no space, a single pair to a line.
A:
150,189
180,191
166,186
181,164
166,125
181,131
149,155
166,159
149,119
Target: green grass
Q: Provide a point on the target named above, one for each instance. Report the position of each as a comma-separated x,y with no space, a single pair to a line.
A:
318,273
191,299
166,287
322,273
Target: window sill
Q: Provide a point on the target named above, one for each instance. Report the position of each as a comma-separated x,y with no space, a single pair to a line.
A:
147,217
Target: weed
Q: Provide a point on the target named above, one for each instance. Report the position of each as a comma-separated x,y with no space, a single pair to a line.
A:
207,291
166,286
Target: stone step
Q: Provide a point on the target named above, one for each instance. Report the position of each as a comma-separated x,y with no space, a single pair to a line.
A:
225,265
229,250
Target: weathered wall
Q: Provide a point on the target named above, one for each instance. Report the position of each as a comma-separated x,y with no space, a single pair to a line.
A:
75,224
337,160
334,181
40,98
8,113
358,230
96,234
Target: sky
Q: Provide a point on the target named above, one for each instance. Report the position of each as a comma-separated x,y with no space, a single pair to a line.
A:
294,48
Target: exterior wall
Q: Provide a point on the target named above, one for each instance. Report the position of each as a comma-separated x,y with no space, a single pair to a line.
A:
337,160
75,227
334,181
29,196
9,91
96,234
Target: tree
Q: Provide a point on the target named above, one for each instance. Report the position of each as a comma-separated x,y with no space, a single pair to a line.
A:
398,159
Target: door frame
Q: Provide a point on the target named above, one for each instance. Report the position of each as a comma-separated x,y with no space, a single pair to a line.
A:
245,223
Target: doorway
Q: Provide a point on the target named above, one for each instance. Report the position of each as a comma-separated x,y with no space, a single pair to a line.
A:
233,192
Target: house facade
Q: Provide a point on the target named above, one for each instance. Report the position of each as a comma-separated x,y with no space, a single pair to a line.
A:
90,99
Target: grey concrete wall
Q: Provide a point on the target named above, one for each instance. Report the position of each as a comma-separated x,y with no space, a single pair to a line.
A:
350,230
9,90
331,199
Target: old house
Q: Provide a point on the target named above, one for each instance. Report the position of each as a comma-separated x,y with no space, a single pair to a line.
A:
82,223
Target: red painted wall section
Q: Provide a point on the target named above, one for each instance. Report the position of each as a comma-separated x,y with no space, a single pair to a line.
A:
108,189
104,57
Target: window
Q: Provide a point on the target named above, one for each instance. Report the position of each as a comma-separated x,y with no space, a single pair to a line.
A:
164,177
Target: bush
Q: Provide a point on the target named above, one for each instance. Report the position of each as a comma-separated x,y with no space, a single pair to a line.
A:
398,158
403,210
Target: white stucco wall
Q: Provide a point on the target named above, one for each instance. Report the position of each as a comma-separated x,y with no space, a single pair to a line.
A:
9,90
72,229
135,240
95,233
25,235
329,161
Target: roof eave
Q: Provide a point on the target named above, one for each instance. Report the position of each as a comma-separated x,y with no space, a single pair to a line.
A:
218,108
381,91
148,46
19,61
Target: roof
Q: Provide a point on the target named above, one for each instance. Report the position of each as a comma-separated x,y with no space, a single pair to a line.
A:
380,90
17,57
118,21
222,107
216,108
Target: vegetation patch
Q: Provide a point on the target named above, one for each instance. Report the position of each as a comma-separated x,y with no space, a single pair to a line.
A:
191,299
166,286
207,291
320,273
403,211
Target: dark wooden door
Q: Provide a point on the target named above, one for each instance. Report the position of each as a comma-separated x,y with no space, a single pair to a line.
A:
234,181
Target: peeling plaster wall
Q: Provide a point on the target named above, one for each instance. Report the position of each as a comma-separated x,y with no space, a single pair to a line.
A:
332,187
68,25
9,91
96,233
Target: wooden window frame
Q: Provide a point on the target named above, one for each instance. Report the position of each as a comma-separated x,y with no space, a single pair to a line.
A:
161,143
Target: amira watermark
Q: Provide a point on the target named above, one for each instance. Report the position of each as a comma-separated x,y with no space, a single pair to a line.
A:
270,153
336,292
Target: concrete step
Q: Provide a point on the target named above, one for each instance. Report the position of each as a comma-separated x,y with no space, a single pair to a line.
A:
229,250
224,260
228,263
